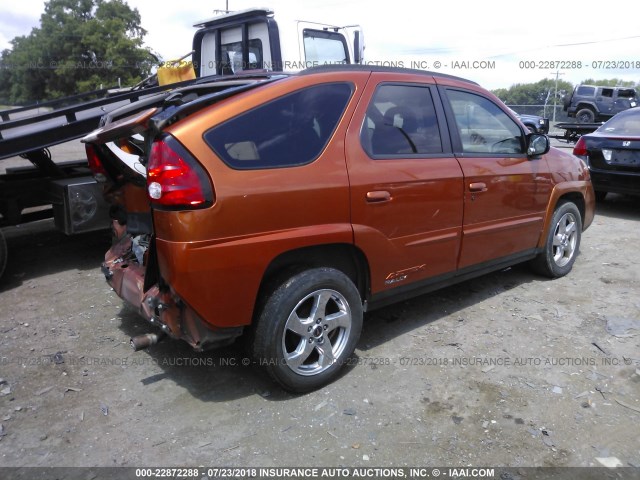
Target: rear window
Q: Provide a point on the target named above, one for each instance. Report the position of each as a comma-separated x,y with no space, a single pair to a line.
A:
232,61
288,131
625,123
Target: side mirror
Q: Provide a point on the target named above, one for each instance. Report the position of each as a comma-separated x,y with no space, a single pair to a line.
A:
537,144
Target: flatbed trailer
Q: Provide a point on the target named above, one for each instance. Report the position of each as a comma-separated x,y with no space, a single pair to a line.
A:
67,190
573,130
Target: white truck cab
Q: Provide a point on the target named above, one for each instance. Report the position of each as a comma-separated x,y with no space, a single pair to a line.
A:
253,40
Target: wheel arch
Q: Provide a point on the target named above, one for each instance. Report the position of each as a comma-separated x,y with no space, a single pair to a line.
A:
590,106
574,197
343,257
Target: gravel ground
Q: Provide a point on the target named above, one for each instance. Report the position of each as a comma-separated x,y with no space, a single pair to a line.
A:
509,369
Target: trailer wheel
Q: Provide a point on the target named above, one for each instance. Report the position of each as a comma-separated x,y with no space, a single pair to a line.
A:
3,254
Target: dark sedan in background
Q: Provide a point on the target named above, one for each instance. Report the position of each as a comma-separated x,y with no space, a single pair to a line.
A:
612,153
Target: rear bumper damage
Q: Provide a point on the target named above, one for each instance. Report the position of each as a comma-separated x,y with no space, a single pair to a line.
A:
159,306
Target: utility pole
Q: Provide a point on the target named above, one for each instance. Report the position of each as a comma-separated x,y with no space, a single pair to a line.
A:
225,11
555,96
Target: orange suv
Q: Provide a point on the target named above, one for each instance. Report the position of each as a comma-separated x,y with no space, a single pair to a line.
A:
283,207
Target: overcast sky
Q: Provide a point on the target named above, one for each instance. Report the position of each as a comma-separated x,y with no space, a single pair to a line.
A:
507,45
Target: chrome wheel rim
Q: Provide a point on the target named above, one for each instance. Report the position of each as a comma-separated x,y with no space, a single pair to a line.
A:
565,239
316,332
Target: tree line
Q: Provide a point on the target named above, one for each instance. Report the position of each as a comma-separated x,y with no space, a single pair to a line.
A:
543,92
79,45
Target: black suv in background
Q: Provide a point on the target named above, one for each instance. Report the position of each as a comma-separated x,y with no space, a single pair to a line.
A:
534,123
591,103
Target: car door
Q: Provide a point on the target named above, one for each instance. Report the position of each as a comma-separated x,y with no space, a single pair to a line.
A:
406,185
604,100
505,191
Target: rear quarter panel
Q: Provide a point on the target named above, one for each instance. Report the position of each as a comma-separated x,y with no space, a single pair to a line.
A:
571,179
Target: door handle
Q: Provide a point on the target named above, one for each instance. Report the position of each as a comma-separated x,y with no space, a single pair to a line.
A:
378,196
477,187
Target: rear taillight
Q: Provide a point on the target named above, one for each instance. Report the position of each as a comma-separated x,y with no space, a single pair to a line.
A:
580,150
95,164
175,179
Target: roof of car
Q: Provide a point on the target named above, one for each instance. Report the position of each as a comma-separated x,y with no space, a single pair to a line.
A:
378,68
605,86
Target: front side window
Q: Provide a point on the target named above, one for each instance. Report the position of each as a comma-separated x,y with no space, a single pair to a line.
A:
401,120
324,47
484,127
288,131
586,91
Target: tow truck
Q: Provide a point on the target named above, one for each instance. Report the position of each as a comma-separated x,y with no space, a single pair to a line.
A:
245,43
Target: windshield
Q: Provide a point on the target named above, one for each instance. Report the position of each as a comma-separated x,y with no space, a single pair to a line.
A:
626,123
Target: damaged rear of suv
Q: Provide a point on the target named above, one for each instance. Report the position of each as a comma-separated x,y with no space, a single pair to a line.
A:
131,156
283,207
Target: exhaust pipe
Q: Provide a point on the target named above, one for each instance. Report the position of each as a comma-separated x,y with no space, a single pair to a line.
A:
144,341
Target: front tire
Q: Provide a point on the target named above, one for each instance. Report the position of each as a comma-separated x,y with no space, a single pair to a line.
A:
308,328
562,244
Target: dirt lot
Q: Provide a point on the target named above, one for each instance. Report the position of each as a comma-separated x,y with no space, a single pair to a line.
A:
506,370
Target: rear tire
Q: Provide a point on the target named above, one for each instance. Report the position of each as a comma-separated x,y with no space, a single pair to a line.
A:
308,328
562,244
585,115
4,253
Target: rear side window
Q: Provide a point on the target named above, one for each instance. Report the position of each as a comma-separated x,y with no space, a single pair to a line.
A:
401,121
628,93
288,131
